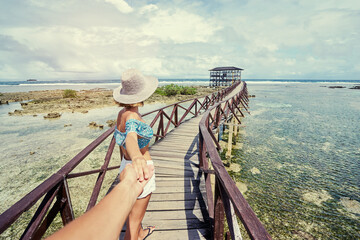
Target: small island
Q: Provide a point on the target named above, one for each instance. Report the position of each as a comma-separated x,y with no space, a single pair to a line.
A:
31,80
355,87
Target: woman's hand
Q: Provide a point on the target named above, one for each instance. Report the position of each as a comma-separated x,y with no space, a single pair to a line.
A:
129,175
141,168
137,157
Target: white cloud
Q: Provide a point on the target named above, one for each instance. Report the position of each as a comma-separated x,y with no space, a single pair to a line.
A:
121,5
9,72
94,52
179,26
50,4
175,38
148,8
290,62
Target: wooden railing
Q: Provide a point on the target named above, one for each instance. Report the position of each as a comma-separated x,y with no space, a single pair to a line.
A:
55,189
227,197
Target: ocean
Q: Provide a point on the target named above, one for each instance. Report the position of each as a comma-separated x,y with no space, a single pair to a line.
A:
299,161
25,86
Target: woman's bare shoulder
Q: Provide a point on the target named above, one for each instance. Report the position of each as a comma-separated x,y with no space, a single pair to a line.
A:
130,115
120,113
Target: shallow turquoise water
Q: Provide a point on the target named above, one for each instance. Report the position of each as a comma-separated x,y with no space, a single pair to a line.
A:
305,141
51,143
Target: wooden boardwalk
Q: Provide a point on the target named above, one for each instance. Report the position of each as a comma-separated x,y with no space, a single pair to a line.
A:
178,207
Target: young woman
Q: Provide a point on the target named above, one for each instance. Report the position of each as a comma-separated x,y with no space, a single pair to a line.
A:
133,136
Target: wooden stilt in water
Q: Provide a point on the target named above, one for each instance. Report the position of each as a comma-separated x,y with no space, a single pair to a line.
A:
235,129
231,127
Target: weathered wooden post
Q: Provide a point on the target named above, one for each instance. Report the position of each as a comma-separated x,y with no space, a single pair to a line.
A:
196,112
229,147
67,213
219,215
176,115
235,127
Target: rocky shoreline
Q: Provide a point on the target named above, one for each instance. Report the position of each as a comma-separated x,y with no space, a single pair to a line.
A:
52,102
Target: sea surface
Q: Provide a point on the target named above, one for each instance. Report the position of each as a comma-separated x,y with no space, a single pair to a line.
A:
300,160
25,86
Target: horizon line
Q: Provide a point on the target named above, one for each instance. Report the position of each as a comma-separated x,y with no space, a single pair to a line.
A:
244,79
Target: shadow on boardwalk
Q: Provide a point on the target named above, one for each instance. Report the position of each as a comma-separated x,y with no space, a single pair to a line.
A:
194,196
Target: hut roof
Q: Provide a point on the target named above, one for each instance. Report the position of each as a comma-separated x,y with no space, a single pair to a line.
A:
226,68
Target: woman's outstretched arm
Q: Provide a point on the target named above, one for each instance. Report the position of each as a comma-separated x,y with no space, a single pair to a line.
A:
138,159
106,219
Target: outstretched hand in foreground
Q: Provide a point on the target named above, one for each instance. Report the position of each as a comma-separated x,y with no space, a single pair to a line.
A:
106,219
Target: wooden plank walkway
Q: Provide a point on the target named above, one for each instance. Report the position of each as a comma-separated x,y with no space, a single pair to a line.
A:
178,207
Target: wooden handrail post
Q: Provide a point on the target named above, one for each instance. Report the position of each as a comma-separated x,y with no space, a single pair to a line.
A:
48,220
176,118
205,165
202,150
160,126
230,216
217,116
196,113
67,213
218,213
162,123
40,213
228,236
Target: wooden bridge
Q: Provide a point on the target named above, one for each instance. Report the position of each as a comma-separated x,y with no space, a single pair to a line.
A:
178,206
184,205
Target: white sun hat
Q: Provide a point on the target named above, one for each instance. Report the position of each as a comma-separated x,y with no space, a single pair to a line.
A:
135,87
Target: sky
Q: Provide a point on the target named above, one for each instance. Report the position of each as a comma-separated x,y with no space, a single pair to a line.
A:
99,39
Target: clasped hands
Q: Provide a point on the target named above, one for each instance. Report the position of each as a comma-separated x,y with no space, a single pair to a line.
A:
131,175
141,168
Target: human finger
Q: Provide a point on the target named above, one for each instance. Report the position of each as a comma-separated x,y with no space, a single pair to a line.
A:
140,171
151,172
136,168
146,170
